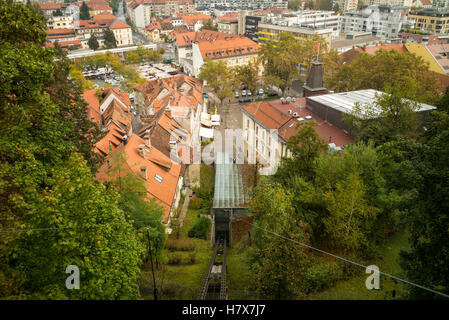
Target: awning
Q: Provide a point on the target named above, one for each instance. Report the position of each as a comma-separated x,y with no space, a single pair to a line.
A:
206,133
206,122
215,118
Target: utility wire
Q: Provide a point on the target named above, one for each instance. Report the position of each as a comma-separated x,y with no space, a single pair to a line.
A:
349,261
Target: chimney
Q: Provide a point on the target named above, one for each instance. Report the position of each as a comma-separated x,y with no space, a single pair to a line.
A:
142,151
147,138
143,172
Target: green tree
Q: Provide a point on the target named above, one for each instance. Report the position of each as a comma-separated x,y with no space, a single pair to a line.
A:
84,12
281,58
109,39
386,69
247,75
209,25
305,147
219,77
350,217
45,183
277,264
390,117
93,42
428,258
294,5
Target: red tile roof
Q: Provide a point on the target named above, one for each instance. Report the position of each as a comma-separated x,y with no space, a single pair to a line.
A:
190,99
50,6
237,46
187,38
275,115
155,163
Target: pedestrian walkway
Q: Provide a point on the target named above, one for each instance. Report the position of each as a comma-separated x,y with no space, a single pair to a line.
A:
185,206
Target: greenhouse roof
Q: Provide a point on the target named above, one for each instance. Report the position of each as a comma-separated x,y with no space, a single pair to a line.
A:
229,189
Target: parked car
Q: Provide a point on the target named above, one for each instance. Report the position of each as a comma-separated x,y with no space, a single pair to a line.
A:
243,93
236,94
260,91
249,94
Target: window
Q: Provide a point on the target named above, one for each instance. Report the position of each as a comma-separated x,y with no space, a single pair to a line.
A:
158,178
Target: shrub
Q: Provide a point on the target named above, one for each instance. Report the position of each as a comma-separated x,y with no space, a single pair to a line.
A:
321,276
205,206
203,193
200,229
181,244
195,203
174,258
191,257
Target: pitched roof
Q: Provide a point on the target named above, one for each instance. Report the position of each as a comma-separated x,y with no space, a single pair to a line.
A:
275,115
175,93
117,24
233,47
421,51
93,105
161,173
187,38
50,6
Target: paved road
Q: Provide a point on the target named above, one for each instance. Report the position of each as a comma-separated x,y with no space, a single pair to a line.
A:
120,12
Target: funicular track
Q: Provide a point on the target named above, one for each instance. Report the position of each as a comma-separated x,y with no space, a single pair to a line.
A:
214,282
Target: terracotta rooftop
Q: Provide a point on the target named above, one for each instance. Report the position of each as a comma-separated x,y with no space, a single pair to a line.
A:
237,46
178,91
50,6
275,115
187,38
159,173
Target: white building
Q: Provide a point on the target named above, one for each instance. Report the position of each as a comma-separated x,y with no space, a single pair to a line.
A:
139,14
317,20
384,22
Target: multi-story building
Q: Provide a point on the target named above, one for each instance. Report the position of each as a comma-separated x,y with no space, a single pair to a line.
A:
382,21
430,20
139,14
184,41
310,19
228,26
236,51
272,32
345,5
60,22
97,26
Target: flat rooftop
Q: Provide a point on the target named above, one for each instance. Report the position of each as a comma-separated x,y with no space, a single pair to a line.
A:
345,101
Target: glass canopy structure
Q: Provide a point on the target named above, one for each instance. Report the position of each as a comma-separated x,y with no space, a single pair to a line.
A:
230,198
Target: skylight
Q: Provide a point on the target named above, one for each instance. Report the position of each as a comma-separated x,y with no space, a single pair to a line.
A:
158,178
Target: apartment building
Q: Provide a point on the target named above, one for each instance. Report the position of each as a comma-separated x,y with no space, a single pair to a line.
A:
228,26
97,26
60,22
431,21
381,21
139,14
235,52
345,5
272,32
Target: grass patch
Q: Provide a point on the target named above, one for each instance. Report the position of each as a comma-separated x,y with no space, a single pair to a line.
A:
354,288
181,281
190,220
238,274
207,176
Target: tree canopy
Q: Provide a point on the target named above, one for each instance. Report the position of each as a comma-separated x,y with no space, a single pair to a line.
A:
384,70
